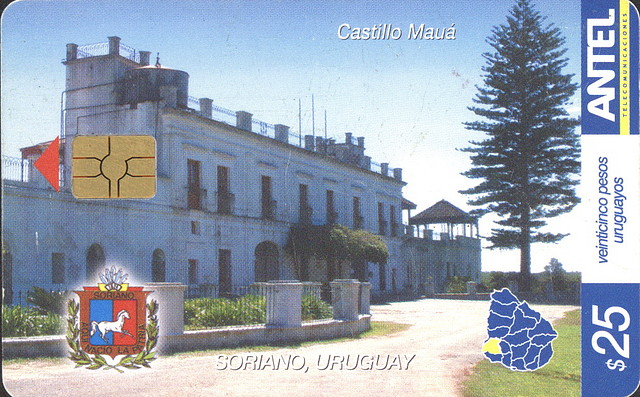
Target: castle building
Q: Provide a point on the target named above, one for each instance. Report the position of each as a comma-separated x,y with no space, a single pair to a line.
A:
228,189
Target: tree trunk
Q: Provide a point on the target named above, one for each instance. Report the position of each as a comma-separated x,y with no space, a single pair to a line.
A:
525,251
331,274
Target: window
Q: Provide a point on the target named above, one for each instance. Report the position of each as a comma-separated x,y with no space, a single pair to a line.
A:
225,198
358,220
193,170
158,266
382,224
195,227
305,210
193,271
332,215
224,271
392,221
266,198
195,194
382,276
57,268
96,261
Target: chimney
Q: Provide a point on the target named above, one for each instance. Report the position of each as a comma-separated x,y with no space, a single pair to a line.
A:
282,133
397,173
243,120
72,51
384,169
308,142
144,57
347,138
361,141
205,107
114,45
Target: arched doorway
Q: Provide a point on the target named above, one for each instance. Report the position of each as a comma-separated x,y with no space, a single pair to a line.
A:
266,261
158,266
7,275
95,261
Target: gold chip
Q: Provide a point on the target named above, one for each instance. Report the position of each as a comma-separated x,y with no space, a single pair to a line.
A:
114,166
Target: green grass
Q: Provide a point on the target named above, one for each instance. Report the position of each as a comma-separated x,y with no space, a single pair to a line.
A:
560,377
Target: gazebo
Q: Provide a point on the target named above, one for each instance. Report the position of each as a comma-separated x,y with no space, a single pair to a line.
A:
449,216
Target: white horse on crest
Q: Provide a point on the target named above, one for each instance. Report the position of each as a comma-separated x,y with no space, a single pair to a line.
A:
111,326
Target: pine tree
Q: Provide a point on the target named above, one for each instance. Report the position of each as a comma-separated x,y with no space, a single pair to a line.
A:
530,160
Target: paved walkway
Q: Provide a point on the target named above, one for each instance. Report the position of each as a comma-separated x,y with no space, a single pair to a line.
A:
429,359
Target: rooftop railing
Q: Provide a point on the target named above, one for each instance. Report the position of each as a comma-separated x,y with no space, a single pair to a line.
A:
16,169
219,113
263,128
97,49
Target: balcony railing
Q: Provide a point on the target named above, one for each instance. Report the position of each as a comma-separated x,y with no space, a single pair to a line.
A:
225,202
332,217
306,214
394,229
382,227
358,221
269,209
196,197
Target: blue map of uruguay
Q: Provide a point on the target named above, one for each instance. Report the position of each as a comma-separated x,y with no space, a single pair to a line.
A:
519,338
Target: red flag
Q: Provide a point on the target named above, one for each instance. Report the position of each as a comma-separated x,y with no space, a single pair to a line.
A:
49,164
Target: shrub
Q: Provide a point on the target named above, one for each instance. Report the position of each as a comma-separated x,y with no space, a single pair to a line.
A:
217,312
248,309
47,302
314,308
24,321
457,285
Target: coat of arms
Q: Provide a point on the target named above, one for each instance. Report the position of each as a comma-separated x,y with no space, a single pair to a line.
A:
115,321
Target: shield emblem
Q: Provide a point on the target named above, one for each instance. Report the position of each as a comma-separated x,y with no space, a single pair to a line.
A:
113,322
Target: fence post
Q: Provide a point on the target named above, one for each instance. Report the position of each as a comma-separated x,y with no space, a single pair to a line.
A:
344,298
284,303
170,297
365,297
471,288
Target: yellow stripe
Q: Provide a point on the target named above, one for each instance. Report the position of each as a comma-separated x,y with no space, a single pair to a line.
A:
623,84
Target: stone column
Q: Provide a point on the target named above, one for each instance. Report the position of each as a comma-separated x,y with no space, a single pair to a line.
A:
281,133
284,303
345,297
170,297
397,173
144,57
365,298
308,142
384,169
114,45
205,107
366,162
244,120
72,51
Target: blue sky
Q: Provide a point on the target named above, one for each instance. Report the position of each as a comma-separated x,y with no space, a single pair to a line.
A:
407,97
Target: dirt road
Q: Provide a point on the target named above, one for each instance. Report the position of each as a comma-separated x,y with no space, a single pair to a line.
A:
428,359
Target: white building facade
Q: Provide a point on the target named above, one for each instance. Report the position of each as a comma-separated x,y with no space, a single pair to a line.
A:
228,190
